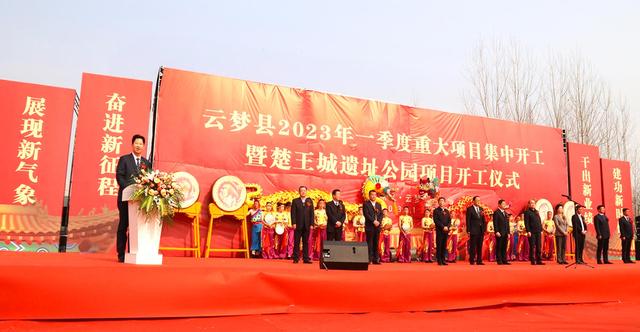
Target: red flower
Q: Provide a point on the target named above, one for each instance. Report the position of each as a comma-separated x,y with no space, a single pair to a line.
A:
143,165
378,186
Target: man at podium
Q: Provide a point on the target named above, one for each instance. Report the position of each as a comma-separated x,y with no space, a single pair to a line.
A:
129,166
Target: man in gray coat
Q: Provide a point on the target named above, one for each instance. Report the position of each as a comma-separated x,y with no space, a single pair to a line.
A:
561,234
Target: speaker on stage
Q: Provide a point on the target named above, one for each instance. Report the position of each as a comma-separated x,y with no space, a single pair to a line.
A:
342,255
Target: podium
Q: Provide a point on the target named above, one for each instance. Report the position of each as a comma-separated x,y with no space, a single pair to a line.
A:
144,233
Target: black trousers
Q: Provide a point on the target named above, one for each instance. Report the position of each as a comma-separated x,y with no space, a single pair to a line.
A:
441,246
603,249
123,226
561,247
535,247
373,238
475,247
301,233
501,248
579,247
626,249
334,234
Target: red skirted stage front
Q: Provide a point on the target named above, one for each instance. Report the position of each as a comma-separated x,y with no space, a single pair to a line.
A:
90,286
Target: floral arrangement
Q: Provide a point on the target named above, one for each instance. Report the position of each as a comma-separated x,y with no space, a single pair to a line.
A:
157,194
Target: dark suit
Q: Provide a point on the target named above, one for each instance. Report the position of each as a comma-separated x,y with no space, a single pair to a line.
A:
533,224
578,227
601,224
126,170
501,225
335,213
302,219
626,234
372,212
442,219
476,224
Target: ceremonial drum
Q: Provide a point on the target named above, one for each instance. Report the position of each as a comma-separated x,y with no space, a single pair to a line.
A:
269,219
279,229
189,186
543,206
229,193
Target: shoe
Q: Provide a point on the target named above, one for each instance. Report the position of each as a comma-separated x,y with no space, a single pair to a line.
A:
499,263
607,262
120,259
472,263
533,263
479,263
540,263
307,262
295,261
376,263
506,263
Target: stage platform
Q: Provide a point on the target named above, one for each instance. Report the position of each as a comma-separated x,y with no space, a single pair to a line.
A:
45,286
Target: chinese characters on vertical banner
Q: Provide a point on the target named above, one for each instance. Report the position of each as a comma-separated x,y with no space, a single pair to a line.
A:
29,149
586,182
616,182
587,188
111,143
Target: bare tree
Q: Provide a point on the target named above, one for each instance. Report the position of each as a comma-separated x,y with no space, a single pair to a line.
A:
587,96
565,92
555,91
522,83
488,85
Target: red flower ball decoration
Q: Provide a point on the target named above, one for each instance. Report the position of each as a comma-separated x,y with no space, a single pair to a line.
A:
378,186
143,165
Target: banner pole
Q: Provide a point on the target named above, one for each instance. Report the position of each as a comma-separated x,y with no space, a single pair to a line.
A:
64,218
154,113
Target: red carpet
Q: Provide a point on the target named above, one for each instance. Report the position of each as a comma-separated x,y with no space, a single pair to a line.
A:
88,286
571,317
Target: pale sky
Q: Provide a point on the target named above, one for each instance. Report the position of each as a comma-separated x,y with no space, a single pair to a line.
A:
410,52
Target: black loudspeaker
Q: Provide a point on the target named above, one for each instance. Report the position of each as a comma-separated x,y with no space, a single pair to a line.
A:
342,255
637,250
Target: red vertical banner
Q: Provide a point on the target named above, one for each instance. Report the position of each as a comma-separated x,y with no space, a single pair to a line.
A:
584,172
616,194
112,110
35,133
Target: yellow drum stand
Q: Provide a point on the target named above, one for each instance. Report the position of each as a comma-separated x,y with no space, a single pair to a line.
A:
192,212
241,214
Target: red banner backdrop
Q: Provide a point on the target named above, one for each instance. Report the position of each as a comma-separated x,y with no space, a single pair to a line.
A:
280,138
112,110
616,193
35,132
